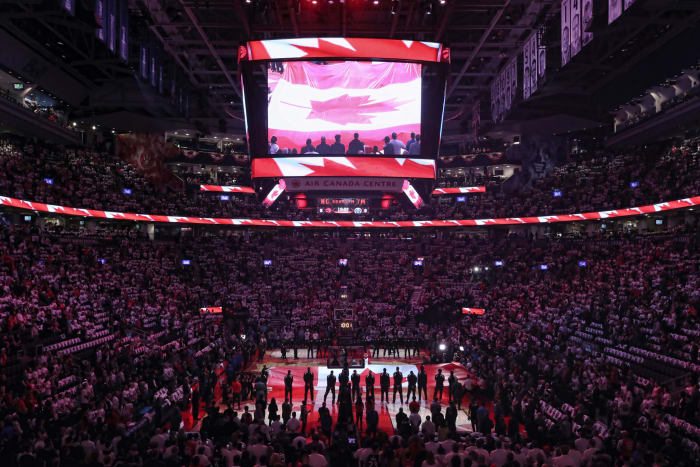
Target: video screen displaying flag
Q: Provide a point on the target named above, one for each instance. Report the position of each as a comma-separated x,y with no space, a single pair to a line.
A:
311,100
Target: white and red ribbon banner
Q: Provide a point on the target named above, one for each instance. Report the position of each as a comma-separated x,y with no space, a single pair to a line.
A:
312,166
385,185
211,310
461,189
473,311
585,216
227,188
340,47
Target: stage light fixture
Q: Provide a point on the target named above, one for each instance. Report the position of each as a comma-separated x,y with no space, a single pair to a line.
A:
395,7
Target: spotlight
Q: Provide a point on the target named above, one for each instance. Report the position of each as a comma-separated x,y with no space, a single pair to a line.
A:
75,123
94,127
395,7
442,347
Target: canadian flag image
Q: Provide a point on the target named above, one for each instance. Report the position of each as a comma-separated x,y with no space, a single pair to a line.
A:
375,99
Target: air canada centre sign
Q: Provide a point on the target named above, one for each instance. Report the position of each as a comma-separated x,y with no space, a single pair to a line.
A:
296,184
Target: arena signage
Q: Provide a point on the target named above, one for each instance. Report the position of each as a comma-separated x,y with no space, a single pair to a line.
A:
227,189
296,184
473,311
304,48
350,166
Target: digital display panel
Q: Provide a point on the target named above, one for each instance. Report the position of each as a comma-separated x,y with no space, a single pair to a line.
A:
316,166
308,101
343,206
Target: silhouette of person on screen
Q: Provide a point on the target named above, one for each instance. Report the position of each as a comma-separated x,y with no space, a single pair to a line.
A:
388,148
338,147
414,150
356,146
308,148
274,148
323,147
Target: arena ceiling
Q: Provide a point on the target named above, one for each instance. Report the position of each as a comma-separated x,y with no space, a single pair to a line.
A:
202,37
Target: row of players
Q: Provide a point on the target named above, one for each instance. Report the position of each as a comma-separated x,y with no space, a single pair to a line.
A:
392,146
352,382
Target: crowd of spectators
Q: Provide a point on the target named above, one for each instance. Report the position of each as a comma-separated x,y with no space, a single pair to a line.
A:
600,181
103,347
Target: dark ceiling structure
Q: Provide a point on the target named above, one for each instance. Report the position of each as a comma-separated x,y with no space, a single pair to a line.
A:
202,37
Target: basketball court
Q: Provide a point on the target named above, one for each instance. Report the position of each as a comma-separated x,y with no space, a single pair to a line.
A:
387,411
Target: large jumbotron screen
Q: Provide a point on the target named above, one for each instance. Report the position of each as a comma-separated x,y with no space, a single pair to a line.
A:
315,100
315,88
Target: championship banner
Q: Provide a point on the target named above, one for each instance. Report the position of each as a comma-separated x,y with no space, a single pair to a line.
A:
473,311
227,189
534,45
586,22
542,219
614,10
458,190
565,32
296,184
526,69
313,166
575,27
341,47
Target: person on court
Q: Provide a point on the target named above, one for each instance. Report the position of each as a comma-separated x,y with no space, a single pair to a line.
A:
384,382
451,382
288,380
355,380
412,380
369,384
309,383
330,386
422,383
439,383
398,379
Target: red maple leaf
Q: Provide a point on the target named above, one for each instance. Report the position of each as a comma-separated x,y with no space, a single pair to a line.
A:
347,109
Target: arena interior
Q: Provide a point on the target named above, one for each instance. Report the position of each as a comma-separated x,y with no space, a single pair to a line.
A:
373,233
